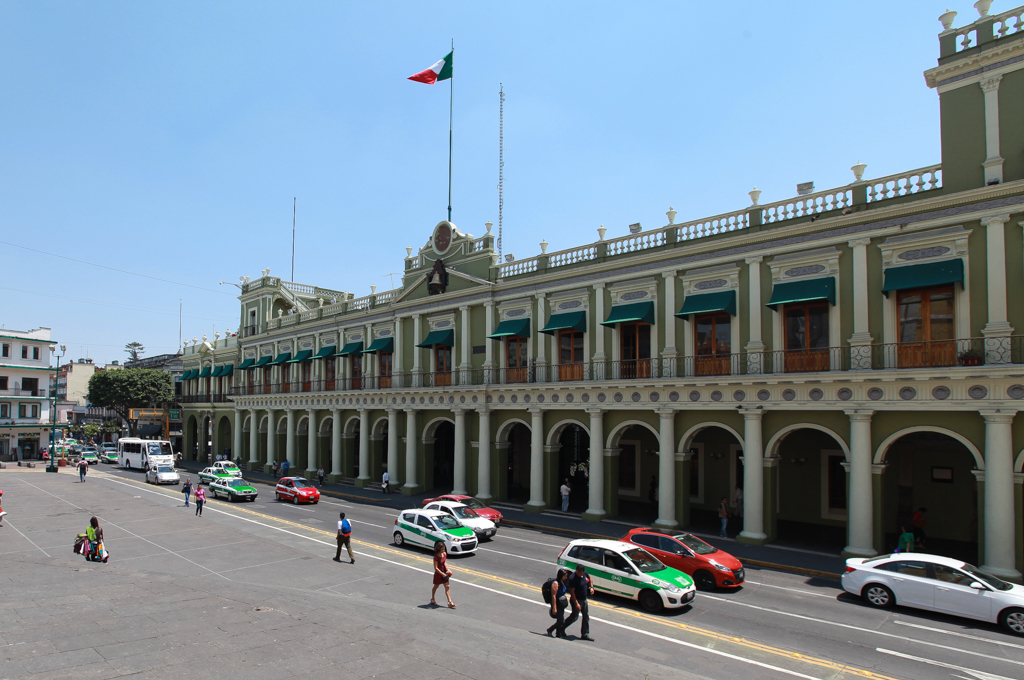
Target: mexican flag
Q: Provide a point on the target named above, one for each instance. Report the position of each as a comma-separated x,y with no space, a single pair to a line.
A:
442,70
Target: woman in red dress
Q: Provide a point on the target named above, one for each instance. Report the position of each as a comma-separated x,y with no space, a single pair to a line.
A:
441,574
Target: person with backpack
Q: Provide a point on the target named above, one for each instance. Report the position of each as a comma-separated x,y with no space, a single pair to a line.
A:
581,587
554,594
187,489
83,468
344,539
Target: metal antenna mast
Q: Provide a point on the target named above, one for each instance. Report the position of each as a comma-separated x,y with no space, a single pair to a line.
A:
501,162
295,201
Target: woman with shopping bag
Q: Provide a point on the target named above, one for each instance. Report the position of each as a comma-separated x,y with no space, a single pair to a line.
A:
96,551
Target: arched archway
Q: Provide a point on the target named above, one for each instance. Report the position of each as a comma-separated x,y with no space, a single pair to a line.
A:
439,453
573,442
634,470
224,439
512,444
715,472
379,437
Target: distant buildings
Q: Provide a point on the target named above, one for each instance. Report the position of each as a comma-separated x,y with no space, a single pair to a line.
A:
24,405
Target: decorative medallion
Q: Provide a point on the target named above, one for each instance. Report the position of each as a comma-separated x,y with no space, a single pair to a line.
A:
540,398
554,398
1015,391
804,271
431,400
526,398
462,399
514,398
601,397
654,396
384,334
635,396
707,285
788,395
442,238
694,395
764,395
907,393
421,400
475,399
569,398
977,391
941,392
585,397
922,253
875,393
444,323
716,396
739,395
489,399
571,304
617,397
512,313
634,295
816,394
403,400
845,393
673,396
501,398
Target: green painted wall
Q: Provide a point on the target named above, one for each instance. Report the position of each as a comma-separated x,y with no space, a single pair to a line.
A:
876,315
774,421
743,306
1011,132
977,286
967,423
845,298
962,113
800,483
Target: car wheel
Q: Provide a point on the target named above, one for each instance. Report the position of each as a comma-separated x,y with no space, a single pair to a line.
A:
1012,620
295,500
650,601
879,596
399,539
704,580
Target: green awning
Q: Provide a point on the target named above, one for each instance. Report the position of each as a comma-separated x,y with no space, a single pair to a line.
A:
350,348
576,321
804,291
723,301
263,361
519,328
246,364
325,352
638,311
217,372
227,370
282,358
206,373
189,374
924,275
381,345
304,355
446,338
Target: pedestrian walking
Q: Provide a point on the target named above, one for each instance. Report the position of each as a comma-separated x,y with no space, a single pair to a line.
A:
723,517
580,587
94,533
320,476
200,499
187,489
442,574
2,513
918,523
273,469
559,603
83,468
344,539
284,468
385,483
565,490
737,501
906,541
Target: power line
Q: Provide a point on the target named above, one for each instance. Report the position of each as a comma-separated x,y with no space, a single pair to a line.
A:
114,269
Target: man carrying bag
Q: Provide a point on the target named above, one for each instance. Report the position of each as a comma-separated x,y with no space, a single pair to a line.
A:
344,539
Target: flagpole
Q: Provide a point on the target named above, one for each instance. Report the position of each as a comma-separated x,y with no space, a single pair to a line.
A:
451,105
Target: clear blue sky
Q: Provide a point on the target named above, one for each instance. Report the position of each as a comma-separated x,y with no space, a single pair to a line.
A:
169,138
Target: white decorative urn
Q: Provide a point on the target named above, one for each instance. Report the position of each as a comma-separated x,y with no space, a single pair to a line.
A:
671,215
601,231
754,194
946,19
544,246
858,171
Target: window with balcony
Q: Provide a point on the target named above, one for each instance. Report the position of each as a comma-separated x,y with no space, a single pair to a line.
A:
356,370
570,355
286,378
635,342
250,380
268,378
442,365
927,328
385,359
329,373
3,382
713,343
516,359
806,336
305,372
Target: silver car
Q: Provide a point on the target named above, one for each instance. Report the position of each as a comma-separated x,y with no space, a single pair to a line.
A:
162,474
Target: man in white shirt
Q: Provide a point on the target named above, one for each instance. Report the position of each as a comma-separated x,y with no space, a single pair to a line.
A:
565,490
385,483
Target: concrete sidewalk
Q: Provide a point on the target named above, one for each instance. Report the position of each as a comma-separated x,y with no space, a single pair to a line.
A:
772,556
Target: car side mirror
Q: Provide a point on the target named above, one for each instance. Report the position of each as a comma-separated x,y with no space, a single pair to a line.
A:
978,586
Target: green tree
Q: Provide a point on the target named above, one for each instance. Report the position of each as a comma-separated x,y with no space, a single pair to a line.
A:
110,426
91,430
135,350
130,388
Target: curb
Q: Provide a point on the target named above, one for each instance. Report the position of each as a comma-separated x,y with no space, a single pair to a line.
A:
755,563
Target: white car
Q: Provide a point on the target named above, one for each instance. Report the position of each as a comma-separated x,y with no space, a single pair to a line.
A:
466,516
938,584
427,527
162,474
228,467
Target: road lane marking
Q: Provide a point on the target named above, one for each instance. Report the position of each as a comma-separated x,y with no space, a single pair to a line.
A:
338,585
550,563
957,634
796,590
526,540
28,539
981,675
168,550
265,564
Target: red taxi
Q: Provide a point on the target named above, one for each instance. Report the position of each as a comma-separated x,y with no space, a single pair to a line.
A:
474,504
708,566
297,490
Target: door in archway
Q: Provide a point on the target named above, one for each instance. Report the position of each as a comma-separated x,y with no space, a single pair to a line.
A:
444,456
812,505
574,465
519,463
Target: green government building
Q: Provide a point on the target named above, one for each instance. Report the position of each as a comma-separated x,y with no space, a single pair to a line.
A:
829,363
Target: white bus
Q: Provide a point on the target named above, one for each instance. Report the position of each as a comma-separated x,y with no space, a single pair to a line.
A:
141,454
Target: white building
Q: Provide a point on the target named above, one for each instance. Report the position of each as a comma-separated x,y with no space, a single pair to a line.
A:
25,375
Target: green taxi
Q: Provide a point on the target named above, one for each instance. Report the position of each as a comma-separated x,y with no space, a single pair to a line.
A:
427,527
234,489
90,456
212,474
108,456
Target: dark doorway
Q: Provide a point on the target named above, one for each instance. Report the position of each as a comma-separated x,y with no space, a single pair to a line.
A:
574,465
519,463
444,456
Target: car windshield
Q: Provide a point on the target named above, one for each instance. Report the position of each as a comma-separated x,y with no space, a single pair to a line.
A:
158,449
464,513
644,561
237,483
472,503
303,484
230,466
445,522
695,544
996,583
164,468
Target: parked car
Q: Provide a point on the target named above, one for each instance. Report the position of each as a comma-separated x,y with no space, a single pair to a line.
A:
475,504
709,566
297,490
937,584
90,456
464,515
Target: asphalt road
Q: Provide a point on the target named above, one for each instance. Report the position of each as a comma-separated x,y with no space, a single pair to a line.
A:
779,625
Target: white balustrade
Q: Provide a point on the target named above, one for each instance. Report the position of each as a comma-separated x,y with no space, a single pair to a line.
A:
1002,25
477,245
966,38
904,183
300,288
564,257
636,242
518,267
309,316
359,303
336,308
712,225
801,206
387,296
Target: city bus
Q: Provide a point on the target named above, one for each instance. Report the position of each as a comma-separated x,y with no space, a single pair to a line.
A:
141,454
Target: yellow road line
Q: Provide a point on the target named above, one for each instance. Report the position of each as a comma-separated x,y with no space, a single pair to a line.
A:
720,637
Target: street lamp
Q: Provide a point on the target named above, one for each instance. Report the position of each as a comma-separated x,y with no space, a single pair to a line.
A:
53,411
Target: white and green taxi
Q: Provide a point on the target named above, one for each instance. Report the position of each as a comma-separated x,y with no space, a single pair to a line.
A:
213,474
623,569
234,489
228,467
426,527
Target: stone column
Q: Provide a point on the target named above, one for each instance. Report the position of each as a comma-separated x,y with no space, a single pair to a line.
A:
393,440
311,439
336,471
459,473
753,480
271,440
998,330
465,346
417,353
599,355
489,372
755,347
667,471
668,353
398,364
1000,532
994,162
542,340
536,503
595,510
483,465
860,508
411,473
236,436
289,441
364,448
860,341
254,440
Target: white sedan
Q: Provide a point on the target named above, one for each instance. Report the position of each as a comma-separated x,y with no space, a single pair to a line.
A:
162,474
466,516
938,584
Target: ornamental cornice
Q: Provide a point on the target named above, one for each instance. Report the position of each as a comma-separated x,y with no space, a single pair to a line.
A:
961,69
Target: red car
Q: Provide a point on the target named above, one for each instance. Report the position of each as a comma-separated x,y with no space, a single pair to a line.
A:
474,504
709,567
297,490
